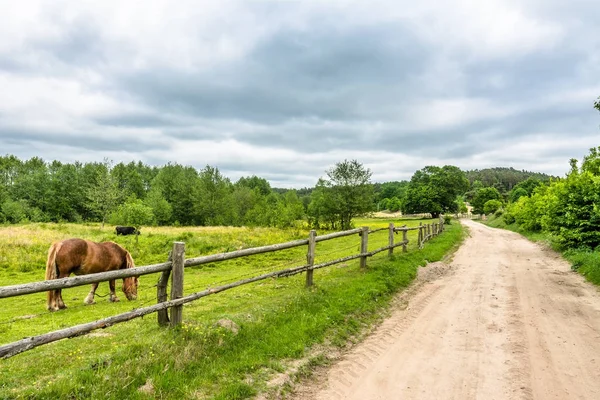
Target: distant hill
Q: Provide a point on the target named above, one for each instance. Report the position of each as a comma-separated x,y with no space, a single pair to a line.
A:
506,177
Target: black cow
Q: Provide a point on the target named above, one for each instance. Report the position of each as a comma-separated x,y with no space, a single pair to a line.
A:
126,230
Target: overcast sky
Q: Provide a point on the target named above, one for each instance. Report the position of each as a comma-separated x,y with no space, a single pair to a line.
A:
285,89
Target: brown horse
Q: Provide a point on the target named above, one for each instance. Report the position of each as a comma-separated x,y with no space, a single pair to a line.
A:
82,257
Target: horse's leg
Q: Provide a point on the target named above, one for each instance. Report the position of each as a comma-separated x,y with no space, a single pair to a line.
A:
113,296
89,299
58,295
53,300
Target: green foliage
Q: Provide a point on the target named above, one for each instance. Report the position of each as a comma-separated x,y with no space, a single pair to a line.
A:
508,218
568,209
586,262
103,194
345,195
482,196
213,201
161,208
491,206
517,193
503,179
260,185
14,211
133,213
434,190
461,206
394,204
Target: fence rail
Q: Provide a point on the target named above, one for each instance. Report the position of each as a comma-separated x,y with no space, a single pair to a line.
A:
175,267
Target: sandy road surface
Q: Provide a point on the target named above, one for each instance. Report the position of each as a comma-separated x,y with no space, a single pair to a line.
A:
508,320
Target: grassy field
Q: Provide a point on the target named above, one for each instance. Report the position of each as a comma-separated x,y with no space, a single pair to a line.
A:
279,319
584,261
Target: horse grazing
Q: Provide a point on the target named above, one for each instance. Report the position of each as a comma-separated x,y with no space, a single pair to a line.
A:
83,257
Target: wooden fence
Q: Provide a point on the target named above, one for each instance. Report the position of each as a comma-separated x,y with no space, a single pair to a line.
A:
174,269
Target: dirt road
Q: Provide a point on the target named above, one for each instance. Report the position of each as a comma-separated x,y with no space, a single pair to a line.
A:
508,320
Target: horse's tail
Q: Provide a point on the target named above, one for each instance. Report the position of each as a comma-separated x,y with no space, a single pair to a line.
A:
51,268
51,263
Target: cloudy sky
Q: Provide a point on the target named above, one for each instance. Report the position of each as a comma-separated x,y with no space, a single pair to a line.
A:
285,89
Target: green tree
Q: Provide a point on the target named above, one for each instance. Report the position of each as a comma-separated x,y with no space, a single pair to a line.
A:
133,213
394,204
319,207
255,183
161,208
102,194
14,211
213,200
128,180
591,162
177,184
491,206
351,191
517,193
434,190
482,196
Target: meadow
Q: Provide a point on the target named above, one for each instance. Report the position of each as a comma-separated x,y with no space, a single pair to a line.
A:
280,321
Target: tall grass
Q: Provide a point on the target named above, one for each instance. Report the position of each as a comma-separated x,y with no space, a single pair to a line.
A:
279,319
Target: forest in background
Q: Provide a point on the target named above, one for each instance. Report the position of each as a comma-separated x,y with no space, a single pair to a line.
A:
138,194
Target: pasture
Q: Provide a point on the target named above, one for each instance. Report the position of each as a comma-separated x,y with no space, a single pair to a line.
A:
279,319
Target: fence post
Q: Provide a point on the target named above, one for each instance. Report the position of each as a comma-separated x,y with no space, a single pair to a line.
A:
391,239
420,239
161,294
177,281
404,239
310,257
364,243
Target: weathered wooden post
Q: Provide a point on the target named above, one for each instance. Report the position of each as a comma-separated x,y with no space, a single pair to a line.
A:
364,245
420,238
391,239
404,239
177,281
310,257
161,294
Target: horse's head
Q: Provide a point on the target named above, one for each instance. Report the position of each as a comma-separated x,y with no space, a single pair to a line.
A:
130,286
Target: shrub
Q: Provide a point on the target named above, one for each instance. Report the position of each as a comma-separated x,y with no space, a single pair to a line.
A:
447,219
491,206
508,218
14,211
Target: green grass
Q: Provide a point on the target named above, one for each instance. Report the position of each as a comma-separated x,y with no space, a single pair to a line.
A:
280,320
584,261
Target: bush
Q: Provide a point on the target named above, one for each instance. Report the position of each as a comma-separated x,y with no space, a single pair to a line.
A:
508,218
491,206
14,211
447,219
499,213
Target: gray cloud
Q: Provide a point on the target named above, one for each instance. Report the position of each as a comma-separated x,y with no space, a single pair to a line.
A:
285,90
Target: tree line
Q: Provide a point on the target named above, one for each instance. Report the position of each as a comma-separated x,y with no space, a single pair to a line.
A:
137,194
